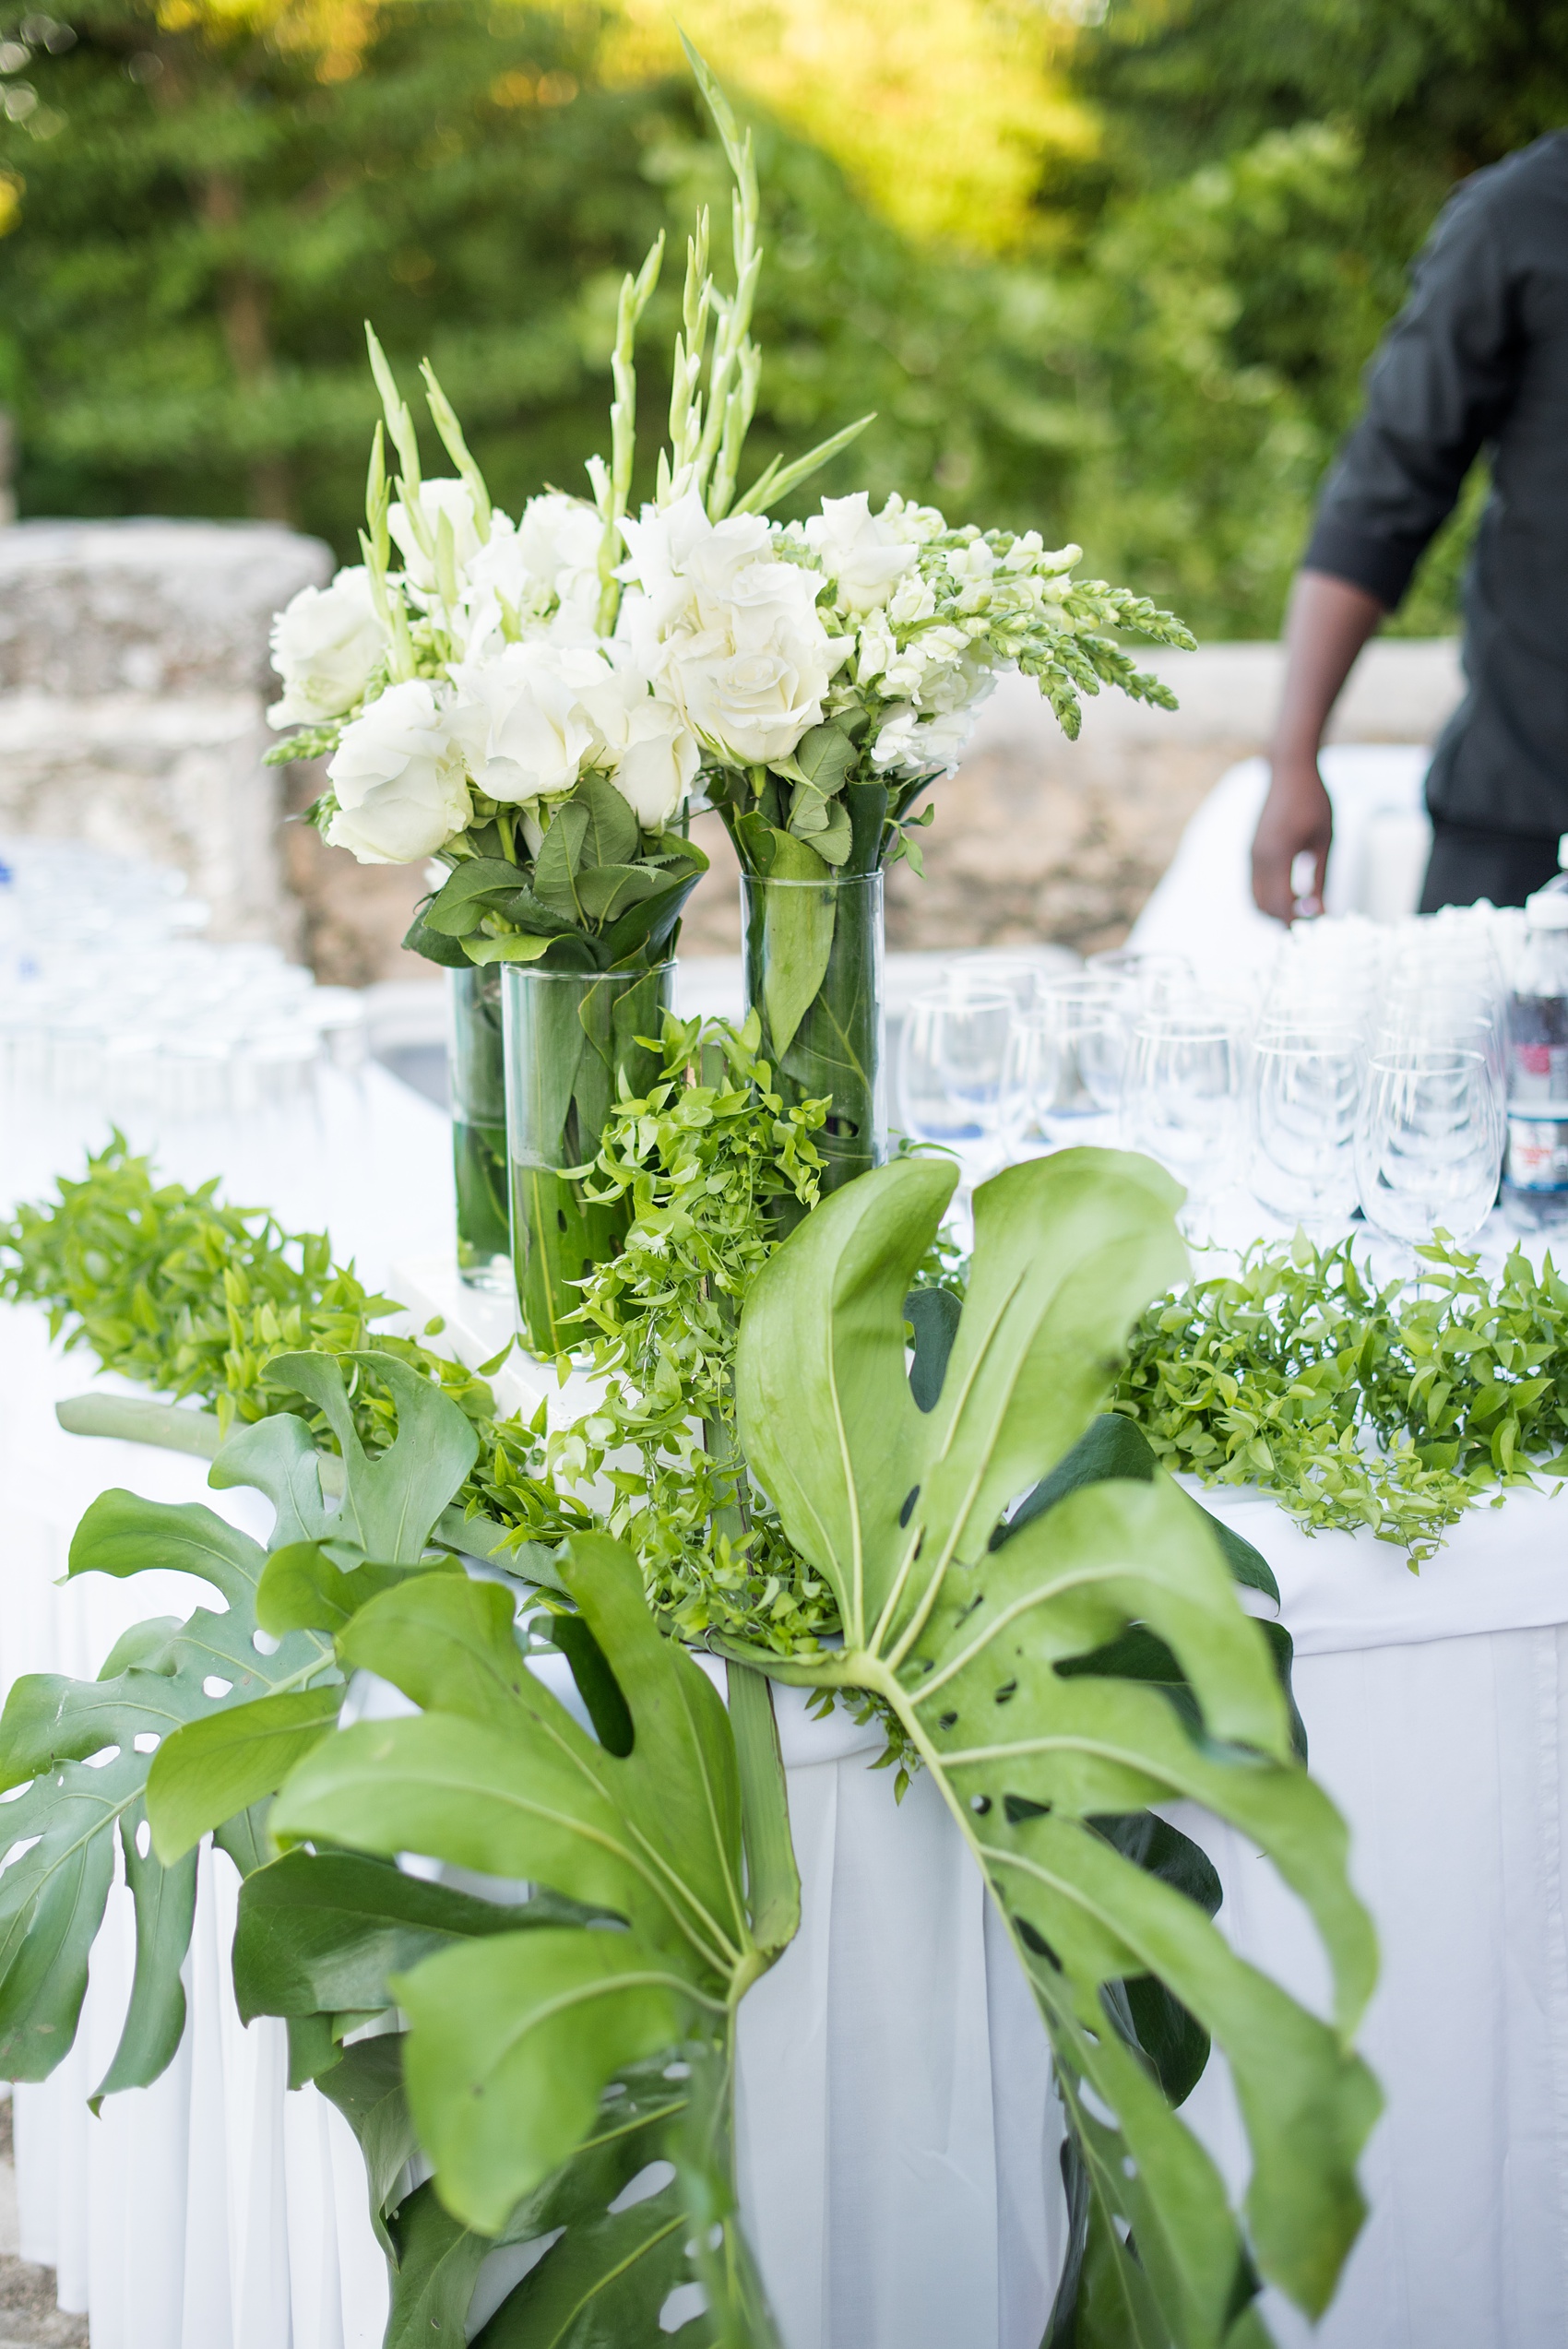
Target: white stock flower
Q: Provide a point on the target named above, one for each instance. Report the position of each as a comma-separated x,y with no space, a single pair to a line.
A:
916,745
860,554
399,780
325,645
435,498
654,751
731,631
520,719
560,539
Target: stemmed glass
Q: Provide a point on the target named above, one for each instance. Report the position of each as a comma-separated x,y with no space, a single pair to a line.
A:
1304,1092
1084,1024
1183,1098
953,1057
1428,1143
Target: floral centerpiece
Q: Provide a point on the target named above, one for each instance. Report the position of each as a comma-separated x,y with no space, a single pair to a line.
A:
534,703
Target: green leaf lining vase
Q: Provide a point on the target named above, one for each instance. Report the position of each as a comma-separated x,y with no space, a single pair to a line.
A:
572,1038
813,975
479,1128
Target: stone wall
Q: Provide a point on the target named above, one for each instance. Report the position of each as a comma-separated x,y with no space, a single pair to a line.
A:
133,681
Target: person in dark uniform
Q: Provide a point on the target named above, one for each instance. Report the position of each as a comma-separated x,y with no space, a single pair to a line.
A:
1477,359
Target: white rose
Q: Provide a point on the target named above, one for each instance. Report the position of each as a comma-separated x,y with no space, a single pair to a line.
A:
731,631
435,499
521,723
325,645
652,750
399,780
860,554
560,539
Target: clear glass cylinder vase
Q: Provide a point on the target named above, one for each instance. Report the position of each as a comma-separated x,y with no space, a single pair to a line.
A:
478,1079
571,1036
813,973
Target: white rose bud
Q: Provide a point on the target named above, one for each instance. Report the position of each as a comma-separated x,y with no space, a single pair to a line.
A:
325,645
435,498
399,780
559,538
521,723
861,555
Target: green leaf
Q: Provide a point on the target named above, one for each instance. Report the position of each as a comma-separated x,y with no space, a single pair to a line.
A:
123,1534
304,1589
1060,1665
207,1771
320,1933
607,891
613,834
366,2085
51,1901
472,890
561,852
797,925
390,1502
511,947
510,2043
437,2266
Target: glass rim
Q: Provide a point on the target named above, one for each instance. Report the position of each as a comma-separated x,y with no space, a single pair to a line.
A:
584,978
984,999
831,880
1417,1060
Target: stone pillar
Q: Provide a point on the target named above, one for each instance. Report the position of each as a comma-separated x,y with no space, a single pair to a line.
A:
134,677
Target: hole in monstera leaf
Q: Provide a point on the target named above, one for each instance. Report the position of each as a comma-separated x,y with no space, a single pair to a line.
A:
677,2072
1037,1943
947,1721
683,2307
264,1642
146,1741
1019,1808
101,1761
19,1850
1129,2166
214,1687
981,1804
715,2237
650,2181
560,1217
1008,1690
616,2088
144,1840
907,1511
1095,2106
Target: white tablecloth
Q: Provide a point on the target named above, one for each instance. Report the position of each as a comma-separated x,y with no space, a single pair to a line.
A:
897,2136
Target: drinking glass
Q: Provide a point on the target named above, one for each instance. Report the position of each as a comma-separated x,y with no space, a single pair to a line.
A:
1181,1100
953,1056
1429,1142
1090,1018
1030,1083
1304,1089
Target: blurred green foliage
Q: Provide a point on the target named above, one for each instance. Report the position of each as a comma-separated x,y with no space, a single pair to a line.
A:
202,205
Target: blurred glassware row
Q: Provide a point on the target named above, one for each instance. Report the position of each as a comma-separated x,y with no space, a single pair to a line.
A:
1368,1068
115,1012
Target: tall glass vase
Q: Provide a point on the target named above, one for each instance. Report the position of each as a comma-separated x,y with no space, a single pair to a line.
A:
813,972
570,1038
479,1128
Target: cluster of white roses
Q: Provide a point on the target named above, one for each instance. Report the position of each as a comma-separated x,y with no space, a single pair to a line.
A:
732,640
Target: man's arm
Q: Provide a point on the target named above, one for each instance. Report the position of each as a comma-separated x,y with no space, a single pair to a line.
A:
1329,622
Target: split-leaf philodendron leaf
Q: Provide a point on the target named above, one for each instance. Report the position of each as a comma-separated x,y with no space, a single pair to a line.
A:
1017,1657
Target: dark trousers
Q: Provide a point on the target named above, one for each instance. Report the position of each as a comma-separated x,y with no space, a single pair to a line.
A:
1467,863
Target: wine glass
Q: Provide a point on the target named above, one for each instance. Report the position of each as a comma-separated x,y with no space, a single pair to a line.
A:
1304,1090
1429,1142
952,1066
1089,1018
1182,1101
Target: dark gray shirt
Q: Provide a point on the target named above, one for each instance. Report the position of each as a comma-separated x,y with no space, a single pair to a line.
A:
1478,356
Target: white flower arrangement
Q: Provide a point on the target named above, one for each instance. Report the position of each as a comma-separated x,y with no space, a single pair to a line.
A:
476,674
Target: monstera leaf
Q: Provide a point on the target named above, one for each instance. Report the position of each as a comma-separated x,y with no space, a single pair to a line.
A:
566,2063
191,1724
1062,1666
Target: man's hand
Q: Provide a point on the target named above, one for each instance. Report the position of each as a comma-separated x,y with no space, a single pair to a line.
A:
1296,816
1328,621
